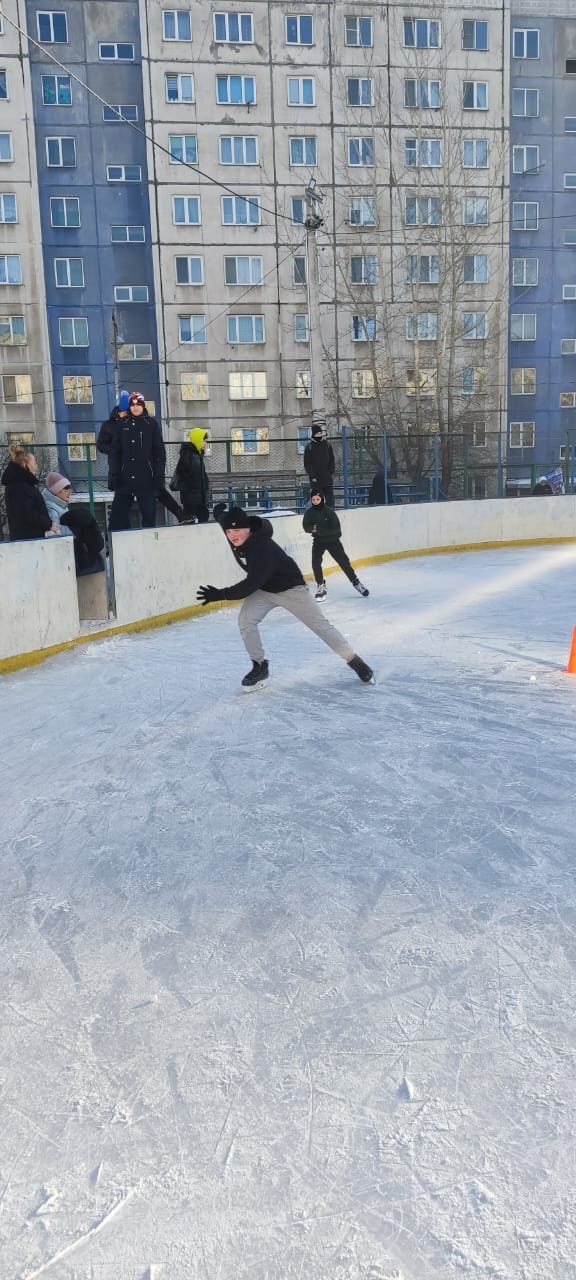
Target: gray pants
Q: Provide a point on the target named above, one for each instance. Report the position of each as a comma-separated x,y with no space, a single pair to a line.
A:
297,601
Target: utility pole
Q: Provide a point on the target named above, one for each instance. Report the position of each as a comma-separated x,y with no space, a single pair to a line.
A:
115,350
313,220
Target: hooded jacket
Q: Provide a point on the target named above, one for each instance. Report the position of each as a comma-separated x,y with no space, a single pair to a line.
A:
319,462
26,510
190,476
266,565
88,540
137,455
56,508
323,523
108,431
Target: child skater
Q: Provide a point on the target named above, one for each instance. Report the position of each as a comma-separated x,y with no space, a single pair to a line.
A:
323,523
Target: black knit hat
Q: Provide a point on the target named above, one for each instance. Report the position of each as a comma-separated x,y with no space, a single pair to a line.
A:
235,518
316,431
316,492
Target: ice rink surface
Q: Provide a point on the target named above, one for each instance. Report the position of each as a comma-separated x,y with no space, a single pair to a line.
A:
288,978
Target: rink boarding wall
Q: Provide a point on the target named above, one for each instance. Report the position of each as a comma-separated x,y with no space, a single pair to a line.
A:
157,571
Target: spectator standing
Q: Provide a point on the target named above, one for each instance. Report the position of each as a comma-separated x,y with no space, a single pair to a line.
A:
190,477
105,440
26,511
323,523
320,464
137,465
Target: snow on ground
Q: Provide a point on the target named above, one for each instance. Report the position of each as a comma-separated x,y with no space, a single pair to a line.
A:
289,977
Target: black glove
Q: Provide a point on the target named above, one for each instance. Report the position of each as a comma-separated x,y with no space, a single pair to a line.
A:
208,595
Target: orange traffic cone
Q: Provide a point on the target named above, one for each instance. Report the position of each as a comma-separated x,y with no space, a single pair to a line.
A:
571,668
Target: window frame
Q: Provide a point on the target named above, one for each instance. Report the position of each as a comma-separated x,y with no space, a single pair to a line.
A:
116,44
177,14
8,321
4,221
418,259
300,81
128,239
525,147
419,149
51,14
362,201
134,347
249,282
521,424
418,83
246,378
525,33
184,138
243,101
475,86
467,203
242,138
180,77
474,257
358,20
119,116
475,143
365,331
73,321
298,18
523,369
130,300
68,285
8,159
187,202
416,24
194,378
189,258
475,23
414,325
301,321
195,329
124,169
304,163
65,200
18,379
525,115
228,39
474,326
58,87
363,384
257,324
250,202
367,278
76,377
364,99
525,204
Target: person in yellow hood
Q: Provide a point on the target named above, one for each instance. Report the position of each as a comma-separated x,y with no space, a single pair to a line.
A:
190,478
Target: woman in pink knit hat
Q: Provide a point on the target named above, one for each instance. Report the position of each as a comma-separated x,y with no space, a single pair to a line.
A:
56,494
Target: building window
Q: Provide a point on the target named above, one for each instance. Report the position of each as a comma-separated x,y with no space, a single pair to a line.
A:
3,86
475,95
17,388
477,486
10,268
192,329
425,94
522,435
475,35
243,269
362,212
569,292
567,346
73,331
570,181
52,28
474,325
116,52
247,386
571,66
299,270
176,24
478,432
568,399
303,392
6,152
475,268
473,380
236,90
77,389
12,331
475,153
69,273
422,328
299,29
361,152
246,329
525,159
424,211
421,33
194,386
475,211
250,440
186,211
301,328
131,293
522,382
127,235
64,211
525,215
120,112
77,442
525,102
423,268
240,211
569,236
297,210
233,28
303,152
190,270
358,32
524,272
526,42
423,153
123,173
8,207
364,269
56,91
183,148
360,92
179,88
522,326
301,91
421,382
238,150
363,328
570,124
363,383
135,351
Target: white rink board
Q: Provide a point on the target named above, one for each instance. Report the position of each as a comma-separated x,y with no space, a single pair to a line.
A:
38,596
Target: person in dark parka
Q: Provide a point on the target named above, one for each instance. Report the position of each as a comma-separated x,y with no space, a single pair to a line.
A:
320,464
137,465
190,477
106,436
323,523
26,510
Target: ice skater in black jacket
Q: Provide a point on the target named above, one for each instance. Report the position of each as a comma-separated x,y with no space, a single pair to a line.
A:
273,580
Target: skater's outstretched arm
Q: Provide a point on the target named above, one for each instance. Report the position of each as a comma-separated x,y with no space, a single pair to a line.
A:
257,575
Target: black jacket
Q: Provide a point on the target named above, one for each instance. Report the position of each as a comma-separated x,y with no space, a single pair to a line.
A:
319,462
88,540
267,566
107,432
26,510
190,477
137,456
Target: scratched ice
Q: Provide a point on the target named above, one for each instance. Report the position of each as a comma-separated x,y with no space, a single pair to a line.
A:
289,978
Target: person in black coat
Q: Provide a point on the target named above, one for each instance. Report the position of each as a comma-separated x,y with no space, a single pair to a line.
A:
106,436
26,510
380,492
273,580
320,464
88,540
190,477
137,465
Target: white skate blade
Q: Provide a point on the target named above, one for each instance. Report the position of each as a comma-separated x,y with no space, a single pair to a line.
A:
251,688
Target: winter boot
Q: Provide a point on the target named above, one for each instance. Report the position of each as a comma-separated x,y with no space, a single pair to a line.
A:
362,669
320,591
256,676
359,586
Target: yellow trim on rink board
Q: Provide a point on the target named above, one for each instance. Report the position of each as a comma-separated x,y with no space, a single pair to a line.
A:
35,656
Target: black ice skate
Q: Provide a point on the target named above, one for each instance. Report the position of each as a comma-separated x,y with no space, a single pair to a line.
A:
359,586
362,670
320,591
256,676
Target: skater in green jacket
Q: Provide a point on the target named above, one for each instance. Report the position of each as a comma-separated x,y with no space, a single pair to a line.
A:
323,523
